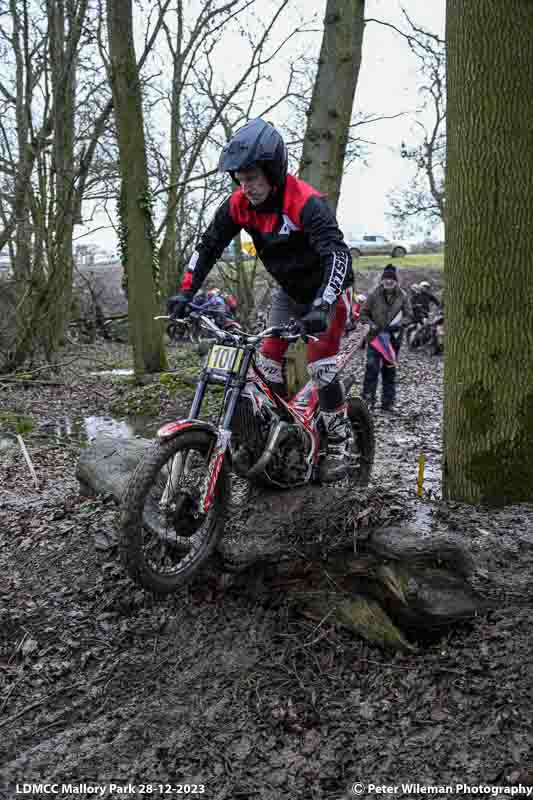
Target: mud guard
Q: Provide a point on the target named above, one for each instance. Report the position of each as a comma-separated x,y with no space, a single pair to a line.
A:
172,429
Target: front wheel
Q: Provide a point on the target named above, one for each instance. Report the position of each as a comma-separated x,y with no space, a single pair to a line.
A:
164,537
355,252
364,444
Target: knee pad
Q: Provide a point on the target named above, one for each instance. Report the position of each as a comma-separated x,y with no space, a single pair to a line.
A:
272,370
324,376
323,371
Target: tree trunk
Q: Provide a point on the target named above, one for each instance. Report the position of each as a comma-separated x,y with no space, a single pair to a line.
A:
146,333
330,111
54,303
170,273
488,408
45,289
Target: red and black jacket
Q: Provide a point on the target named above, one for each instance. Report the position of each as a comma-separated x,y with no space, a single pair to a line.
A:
295,234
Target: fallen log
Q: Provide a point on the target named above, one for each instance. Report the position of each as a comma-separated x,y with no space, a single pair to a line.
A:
388,584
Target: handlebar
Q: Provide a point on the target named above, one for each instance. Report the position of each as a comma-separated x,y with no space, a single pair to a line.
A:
291,332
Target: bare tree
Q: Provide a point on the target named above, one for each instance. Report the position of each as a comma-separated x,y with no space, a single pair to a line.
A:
53,153
202,120
43,287
139,242
330,111
424,197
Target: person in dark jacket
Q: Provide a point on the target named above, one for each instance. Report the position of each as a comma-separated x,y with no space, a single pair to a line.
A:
387,310
422,300
296,236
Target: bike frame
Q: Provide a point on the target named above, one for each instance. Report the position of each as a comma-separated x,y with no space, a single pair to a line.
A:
301,410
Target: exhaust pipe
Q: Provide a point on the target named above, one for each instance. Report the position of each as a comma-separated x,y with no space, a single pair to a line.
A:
278,433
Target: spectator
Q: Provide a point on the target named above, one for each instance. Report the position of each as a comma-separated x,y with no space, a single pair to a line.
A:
387,310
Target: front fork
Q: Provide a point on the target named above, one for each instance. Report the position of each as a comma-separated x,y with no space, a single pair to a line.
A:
218,453
207,489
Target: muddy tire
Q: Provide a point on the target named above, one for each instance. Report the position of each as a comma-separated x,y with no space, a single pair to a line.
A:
169,531
363,433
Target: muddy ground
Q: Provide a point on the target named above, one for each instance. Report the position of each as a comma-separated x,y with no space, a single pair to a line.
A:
233,695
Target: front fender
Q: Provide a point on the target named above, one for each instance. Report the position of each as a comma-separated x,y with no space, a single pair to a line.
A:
171,429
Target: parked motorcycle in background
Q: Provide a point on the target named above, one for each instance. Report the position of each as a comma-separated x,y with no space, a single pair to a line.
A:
427,333
194,332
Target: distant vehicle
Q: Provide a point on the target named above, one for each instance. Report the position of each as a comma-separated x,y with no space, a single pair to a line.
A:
377,245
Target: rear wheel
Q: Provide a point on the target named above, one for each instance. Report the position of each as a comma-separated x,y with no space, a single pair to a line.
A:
363,440
356,253
399,252
164,538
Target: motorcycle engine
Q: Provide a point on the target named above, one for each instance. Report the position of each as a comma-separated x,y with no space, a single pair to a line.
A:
288,465
249,435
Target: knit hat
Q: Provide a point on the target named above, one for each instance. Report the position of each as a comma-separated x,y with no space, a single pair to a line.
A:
390,273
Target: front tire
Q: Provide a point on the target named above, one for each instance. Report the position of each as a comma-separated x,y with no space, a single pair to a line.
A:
355,252
163,540
399,252
364,439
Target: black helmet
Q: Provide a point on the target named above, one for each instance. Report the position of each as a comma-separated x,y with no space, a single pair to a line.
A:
256,144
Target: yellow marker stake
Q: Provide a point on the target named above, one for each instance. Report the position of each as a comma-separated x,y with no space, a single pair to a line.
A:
420,482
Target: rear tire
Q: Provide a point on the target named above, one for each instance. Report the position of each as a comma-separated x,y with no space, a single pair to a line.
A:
355,252
148,530
364,437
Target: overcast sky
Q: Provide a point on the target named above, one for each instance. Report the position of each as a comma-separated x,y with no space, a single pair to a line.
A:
387,85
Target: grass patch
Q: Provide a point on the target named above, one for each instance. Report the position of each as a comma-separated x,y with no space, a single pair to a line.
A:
138,401
16,423
135,400
434,260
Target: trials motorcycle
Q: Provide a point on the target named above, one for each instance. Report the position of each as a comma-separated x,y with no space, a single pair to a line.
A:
174,507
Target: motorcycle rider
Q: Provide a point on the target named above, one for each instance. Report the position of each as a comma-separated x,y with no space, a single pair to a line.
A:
379,310
296,235
422,300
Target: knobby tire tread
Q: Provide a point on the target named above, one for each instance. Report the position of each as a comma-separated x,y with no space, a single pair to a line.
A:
130,538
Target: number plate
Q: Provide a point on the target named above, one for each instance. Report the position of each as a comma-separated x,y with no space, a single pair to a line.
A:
224,359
